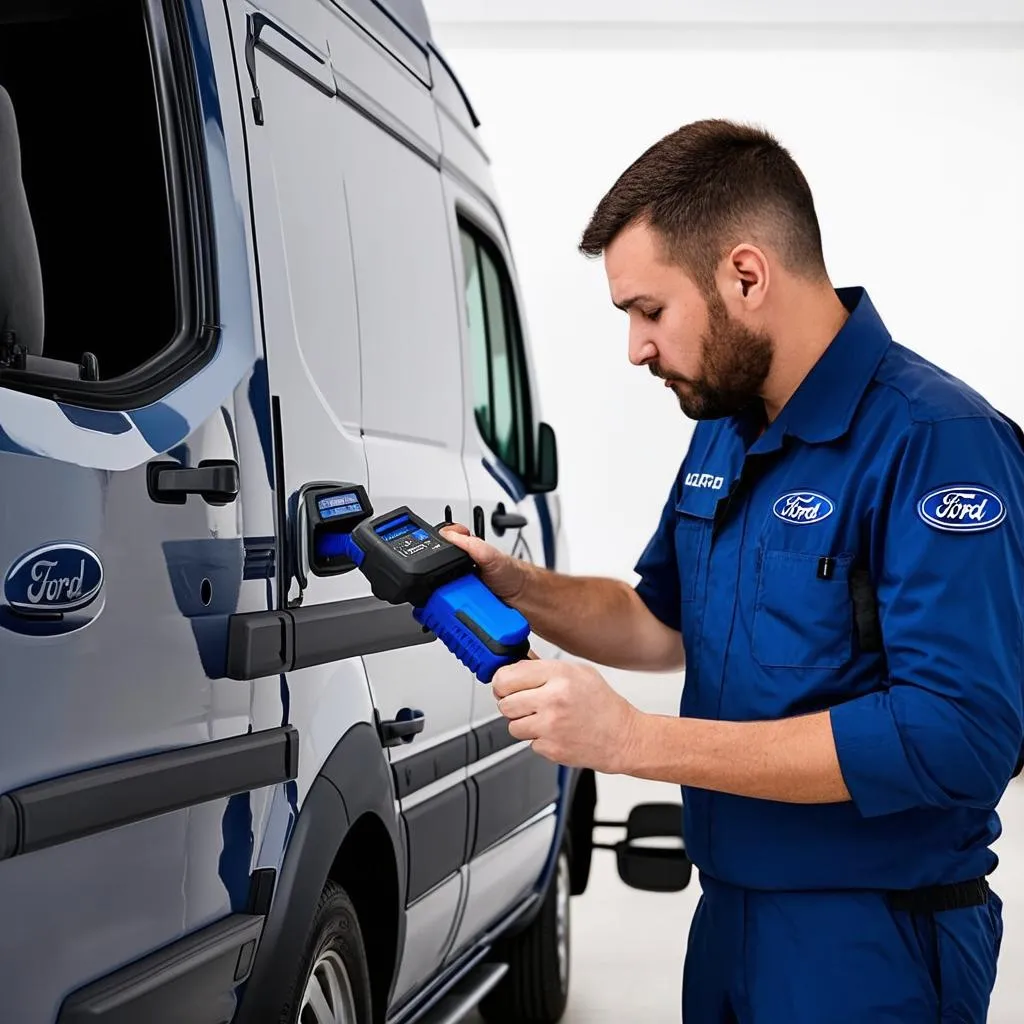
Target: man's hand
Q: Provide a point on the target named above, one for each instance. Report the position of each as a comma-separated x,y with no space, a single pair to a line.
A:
503,574
573,717
569,711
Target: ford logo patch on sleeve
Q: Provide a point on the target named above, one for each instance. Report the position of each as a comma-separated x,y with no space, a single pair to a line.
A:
962,508
49,583
803,507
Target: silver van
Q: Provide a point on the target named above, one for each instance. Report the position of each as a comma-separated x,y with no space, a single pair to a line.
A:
246,251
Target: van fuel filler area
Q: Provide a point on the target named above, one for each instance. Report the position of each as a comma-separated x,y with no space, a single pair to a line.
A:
407,561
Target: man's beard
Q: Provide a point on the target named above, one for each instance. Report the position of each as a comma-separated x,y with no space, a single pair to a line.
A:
734,364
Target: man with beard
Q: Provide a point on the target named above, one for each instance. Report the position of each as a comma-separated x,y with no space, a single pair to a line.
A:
841,558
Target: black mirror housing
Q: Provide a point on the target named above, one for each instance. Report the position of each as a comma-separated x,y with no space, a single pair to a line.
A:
544,477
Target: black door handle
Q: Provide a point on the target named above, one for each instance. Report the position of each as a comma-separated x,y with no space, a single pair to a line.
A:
479,523
403,728
502,520
214,480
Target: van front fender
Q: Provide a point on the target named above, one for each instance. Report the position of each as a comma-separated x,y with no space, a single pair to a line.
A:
354,781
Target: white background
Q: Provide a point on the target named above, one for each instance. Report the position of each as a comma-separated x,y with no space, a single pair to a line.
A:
907,118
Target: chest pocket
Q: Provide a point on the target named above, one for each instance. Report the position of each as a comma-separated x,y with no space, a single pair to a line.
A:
803,618
694,520
691,550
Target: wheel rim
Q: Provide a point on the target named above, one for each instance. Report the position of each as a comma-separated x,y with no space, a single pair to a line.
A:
328,998
562,920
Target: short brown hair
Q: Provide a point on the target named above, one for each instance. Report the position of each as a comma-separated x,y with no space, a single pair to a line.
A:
703,187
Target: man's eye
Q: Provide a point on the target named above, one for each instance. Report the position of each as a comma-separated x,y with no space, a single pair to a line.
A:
652,314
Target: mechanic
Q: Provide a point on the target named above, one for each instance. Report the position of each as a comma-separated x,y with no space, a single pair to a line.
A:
841,557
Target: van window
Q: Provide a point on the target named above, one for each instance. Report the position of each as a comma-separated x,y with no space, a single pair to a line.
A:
98,261
501,397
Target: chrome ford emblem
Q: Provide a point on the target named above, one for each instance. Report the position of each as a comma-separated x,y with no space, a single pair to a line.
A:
962,509
803,507
53,580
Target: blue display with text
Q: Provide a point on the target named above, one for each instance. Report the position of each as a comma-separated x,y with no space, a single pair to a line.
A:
332,506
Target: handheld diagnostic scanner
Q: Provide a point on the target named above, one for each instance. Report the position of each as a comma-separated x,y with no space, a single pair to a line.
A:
407,561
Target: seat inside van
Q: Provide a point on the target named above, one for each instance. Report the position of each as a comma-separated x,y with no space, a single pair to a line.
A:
81,86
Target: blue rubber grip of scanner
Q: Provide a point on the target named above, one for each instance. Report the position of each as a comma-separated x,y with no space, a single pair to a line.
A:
470,595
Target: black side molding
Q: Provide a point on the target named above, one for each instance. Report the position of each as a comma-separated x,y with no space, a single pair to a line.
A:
437,835
491,737
268,643
191,980
510,793
76,805
419,770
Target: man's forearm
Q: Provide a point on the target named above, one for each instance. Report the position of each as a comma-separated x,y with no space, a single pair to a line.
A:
793,760
597,619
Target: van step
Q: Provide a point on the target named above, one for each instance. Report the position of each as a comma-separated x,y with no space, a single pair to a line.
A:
458,1003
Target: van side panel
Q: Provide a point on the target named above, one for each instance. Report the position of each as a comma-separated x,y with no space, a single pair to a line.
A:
412,423
144,672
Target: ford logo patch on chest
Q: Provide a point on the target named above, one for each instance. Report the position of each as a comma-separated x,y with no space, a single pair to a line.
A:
962,509
53,580
803,507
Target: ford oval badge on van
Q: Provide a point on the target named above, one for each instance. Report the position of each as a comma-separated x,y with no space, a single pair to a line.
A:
54,579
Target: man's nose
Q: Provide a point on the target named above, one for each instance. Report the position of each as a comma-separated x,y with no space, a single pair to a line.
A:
642,349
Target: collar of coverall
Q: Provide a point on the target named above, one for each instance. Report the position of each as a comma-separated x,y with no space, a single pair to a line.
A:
823,406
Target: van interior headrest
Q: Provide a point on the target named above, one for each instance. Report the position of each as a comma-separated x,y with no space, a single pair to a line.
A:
21,279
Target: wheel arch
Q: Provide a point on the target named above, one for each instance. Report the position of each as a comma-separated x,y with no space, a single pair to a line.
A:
366,869
346,830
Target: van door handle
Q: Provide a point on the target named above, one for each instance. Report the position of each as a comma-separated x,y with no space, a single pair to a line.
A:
502,520
214,480
403,728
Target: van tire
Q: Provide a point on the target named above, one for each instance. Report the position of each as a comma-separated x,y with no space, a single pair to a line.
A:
535,990
334,936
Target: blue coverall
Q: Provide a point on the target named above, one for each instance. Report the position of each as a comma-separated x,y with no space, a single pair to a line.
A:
883,472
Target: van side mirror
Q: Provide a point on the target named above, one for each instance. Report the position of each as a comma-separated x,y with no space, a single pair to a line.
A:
544,477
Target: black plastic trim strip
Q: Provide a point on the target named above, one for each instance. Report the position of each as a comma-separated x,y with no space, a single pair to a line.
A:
492,738
349,629
268,643
450,829
425,767
191,980
421,769
8,827
259,644
63,809
436,831
510,793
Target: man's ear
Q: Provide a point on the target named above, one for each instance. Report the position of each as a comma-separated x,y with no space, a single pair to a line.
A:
744,278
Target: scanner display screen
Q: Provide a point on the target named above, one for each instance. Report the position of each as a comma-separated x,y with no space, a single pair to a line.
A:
406,538
334,506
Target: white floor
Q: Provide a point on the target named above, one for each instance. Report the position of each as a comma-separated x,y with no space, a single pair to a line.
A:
628,946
